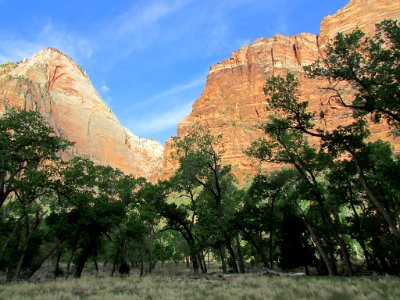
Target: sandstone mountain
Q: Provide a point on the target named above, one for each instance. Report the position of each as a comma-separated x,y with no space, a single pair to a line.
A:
60,90
233,102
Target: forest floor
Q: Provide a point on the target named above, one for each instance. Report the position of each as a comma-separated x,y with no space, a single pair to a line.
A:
217,286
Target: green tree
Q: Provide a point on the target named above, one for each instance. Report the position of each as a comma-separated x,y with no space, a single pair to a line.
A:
29,158
349,139
88,209
258,217
370,66
27,145
200,166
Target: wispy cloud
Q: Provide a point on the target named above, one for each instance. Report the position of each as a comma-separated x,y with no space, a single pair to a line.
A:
71,42
281,24
104,88
14,48
175,94
162,112
145,16
141,25
160,122
105,93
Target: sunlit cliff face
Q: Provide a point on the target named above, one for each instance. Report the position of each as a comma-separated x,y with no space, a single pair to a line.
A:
60,90
233,101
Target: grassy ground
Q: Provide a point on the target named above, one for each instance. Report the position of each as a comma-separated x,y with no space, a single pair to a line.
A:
211,287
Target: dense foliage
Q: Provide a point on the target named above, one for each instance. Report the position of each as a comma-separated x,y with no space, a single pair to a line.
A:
332,208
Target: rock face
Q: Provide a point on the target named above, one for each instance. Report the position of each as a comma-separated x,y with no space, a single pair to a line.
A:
60,90
363,14
233,102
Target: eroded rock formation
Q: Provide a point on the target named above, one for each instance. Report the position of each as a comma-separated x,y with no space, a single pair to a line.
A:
232,102
60,90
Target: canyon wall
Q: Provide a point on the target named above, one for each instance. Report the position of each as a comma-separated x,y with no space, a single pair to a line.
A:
233,102
60,90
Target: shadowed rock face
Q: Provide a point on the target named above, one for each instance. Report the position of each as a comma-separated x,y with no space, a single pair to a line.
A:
233,102
60,90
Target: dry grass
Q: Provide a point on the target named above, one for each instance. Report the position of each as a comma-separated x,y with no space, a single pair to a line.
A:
214,287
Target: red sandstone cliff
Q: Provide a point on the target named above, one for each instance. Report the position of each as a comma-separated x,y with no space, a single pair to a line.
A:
60,90
232,102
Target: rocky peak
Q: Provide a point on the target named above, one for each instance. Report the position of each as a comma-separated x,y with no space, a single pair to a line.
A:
53,84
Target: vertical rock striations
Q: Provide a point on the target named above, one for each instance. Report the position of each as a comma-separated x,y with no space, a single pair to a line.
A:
60,90
233,102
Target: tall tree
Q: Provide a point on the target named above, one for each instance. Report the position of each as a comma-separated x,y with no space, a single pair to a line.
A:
370,67
29,157
88,202
200,163
27,145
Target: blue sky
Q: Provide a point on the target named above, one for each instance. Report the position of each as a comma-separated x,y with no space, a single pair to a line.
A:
149,59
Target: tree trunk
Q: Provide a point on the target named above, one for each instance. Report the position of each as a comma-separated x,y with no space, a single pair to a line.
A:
28,236
271,227
361,240
271,252
151,251
15,247
260,250
343,247
5,244
328,264
117,256
44,258
71,257
203,264
306,270
57,269
195,262
150,260
345,255
95,263
232,254
187,260
82,261
381,208
141,261
242,266
223,262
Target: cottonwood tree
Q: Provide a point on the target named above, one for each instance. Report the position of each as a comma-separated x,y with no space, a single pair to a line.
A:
88,209
29,156
27,145
369,66
370,69
287,147
180,217
201,166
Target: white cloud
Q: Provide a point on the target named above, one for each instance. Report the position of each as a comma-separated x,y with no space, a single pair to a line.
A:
104,88
15,48
167,108
171,97
141,17
160,122
281,24
176,92
69,42
140,26
242,42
